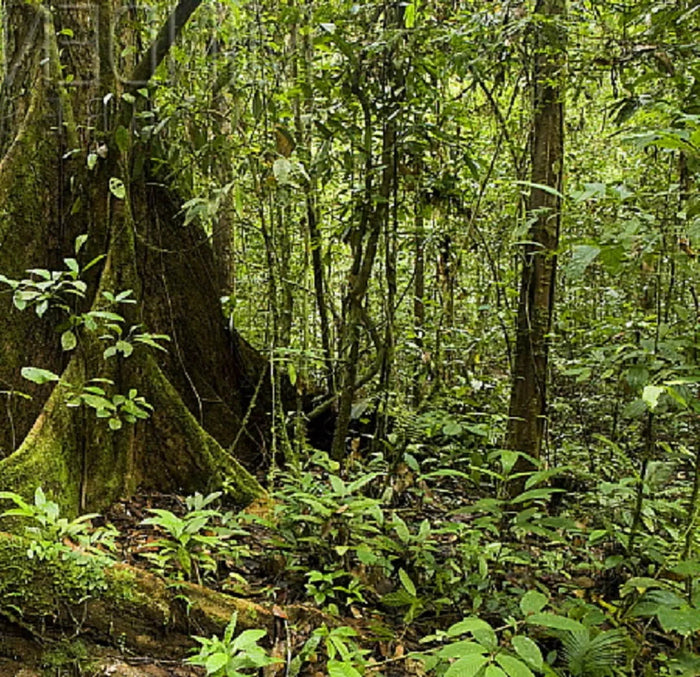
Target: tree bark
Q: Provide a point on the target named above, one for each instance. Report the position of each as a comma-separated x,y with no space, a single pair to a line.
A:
49,194
528,402
113,604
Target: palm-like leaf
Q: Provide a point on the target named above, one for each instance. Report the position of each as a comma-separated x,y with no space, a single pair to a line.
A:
588,656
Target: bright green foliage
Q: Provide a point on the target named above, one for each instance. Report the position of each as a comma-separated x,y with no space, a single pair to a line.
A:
194,543
51,534
59,290
345,657
233,655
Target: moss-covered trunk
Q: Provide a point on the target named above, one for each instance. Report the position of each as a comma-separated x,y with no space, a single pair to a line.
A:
69,146
113,604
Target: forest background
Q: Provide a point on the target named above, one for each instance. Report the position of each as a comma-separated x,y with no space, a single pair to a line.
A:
417,280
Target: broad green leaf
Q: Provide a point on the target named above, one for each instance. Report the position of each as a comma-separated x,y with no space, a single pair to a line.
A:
461,649
528,651
683,621
581,257
532,602
282,169
468,666
125,348
589,190
36,375
480,630
494,671
68,340
640,584
513,666
556,622
97,402
248,638
452,429
117,188
651,395
238,201
687,568
342,669
215,662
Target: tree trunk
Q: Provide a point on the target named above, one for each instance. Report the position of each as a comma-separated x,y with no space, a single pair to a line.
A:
528,402
66,141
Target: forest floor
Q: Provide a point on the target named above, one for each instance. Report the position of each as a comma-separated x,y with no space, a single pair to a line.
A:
379,568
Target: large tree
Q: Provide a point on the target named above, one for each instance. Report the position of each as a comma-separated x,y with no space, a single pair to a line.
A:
73,163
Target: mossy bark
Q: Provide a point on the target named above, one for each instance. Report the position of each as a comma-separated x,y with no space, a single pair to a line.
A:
200,388
113,604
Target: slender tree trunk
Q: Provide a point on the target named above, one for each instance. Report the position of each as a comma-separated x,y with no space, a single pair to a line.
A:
419,294
528,402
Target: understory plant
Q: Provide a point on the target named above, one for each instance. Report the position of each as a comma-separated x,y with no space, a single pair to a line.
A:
232,655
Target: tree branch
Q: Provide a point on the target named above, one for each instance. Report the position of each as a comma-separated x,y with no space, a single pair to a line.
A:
161,45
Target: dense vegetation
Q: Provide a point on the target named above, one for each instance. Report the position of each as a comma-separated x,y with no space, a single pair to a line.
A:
470,374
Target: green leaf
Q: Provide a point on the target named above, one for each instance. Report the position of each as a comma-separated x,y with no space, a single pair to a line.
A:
581,257
401,529
513,667
125,347
97,402
651,395
39,497
687,568
91,161
540,186
409,16
80,241
215,662
117,188
468,666
282,168
556,622
461,649
683,621
238,201
532,602
494,671
452,429
528,651
36,375
533,494
481,631
68,340
342,669
407,583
